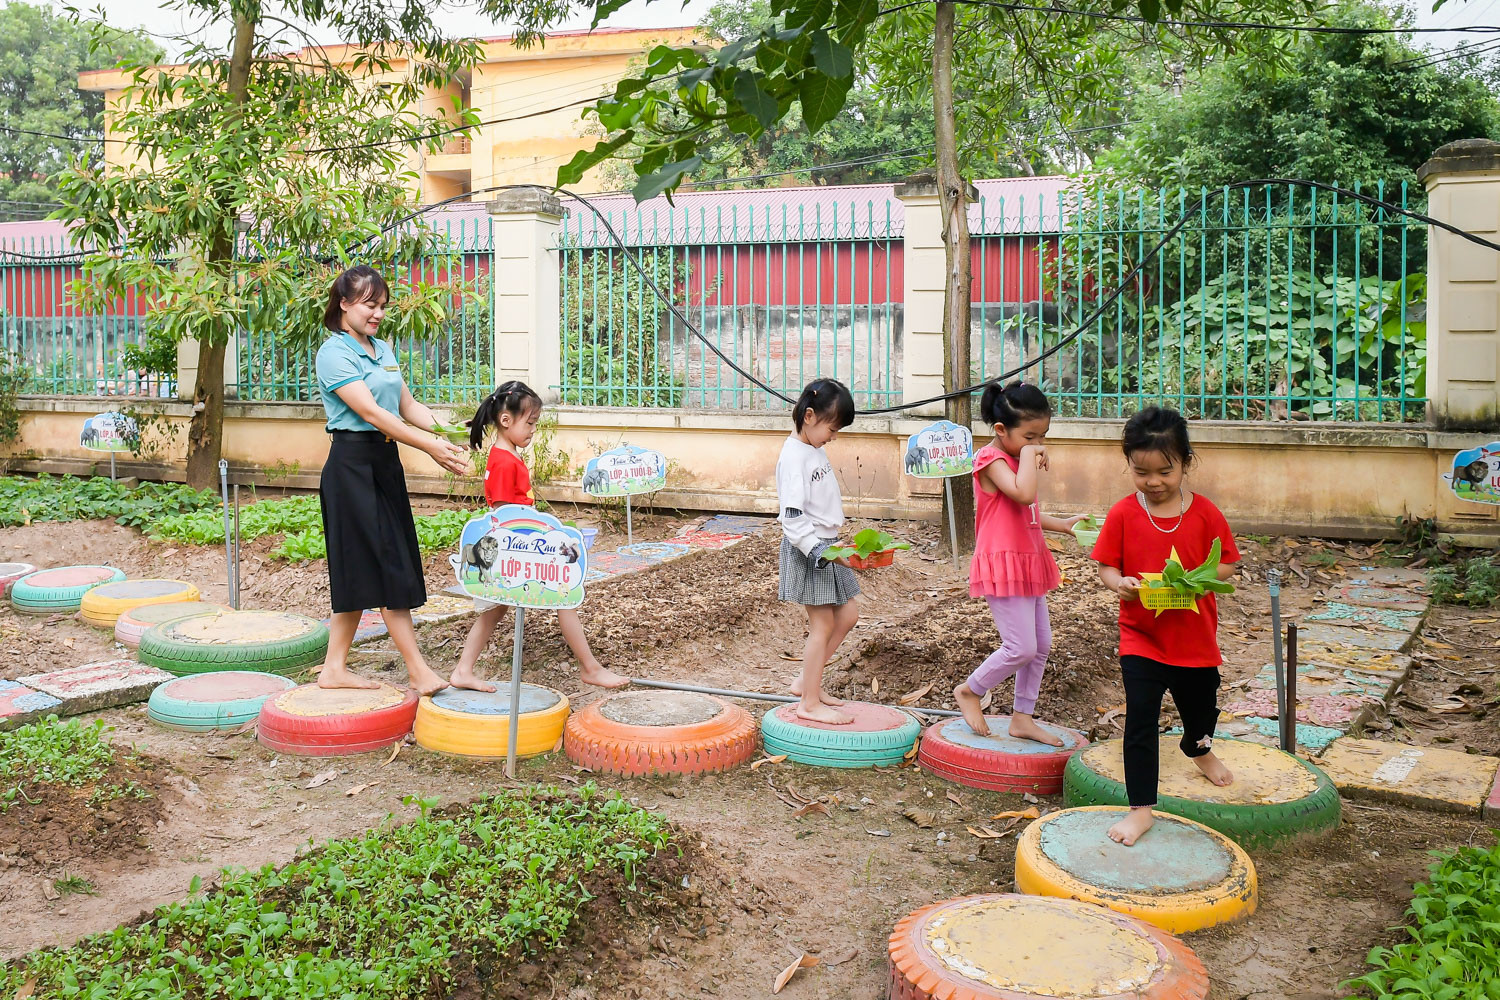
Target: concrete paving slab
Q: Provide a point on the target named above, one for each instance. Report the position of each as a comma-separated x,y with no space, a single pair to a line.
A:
1424,777
1357,616
20,704
94,686
1323,636
1388,576
1378,597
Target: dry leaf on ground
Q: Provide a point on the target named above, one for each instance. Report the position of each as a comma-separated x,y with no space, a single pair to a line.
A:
956,799
1032,813
322,778
924,818
806,961
394,751
360,787
811,807
777,759
912,697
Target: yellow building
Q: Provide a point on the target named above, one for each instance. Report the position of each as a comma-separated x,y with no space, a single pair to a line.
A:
509,87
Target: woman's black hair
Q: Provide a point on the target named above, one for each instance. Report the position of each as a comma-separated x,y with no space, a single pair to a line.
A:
358,284
1010,405
829,399
516,398
1158,429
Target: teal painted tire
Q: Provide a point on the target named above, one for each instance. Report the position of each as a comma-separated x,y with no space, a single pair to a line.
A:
879,736
224,699
275,642
1276,799
54,591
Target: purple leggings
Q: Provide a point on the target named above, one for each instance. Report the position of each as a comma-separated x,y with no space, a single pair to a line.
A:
1026,640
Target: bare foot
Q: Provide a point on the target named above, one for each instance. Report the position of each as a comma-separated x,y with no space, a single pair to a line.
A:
1132,827
823,696
463,677
821,713
1024,727
425,681
968,703
340,677
1214,770
596,675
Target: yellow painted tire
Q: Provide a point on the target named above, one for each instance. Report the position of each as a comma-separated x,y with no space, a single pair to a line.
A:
1067,854
103,605
477,724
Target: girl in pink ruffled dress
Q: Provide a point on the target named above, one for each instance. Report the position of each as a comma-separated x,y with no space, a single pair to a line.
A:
1012,568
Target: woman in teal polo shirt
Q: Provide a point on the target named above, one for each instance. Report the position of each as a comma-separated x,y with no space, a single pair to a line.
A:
373,558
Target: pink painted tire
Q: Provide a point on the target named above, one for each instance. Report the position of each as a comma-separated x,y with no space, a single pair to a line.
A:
11,572
134,623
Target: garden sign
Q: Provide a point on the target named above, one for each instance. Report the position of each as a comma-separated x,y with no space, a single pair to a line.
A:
940,451
625,471
518,556
112,432
1476,474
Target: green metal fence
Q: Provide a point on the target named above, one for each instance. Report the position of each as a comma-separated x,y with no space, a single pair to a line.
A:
1272,303
790,293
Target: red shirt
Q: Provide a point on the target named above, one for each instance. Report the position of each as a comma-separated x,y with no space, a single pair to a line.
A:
1133,545
507,480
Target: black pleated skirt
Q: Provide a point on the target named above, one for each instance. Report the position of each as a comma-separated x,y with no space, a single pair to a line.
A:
373,557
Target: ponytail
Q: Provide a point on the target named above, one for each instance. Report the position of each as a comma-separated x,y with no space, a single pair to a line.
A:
1012,404
516,398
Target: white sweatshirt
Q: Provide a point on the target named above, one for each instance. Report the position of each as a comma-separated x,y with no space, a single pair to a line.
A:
807,493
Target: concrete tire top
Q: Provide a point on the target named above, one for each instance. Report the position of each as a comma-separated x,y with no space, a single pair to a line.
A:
878,736
477,723
103,605
221,699
137,621
660,732
277,642
316,722
951,750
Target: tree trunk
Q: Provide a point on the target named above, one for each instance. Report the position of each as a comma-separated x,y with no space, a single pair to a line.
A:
206,431
953,195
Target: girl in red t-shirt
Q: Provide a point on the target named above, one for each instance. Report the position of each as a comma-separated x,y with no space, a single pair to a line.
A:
1161,651
511,413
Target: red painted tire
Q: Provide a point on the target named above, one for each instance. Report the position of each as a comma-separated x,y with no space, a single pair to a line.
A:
1013,947
11,572
313,722
660,732
950,750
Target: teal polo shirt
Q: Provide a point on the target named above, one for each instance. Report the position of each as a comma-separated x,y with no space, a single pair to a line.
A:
342,360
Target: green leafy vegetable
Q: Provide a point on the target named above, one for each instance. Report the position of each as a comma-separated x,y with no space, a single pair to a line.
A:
1197,581
454,432
866,544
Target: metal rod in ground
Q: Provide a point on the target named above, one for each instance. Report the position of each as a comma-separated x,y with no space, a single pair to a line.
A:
952,527
1273,581
228,543
757,696
629,530
235,596
1291,688
515,693
111,466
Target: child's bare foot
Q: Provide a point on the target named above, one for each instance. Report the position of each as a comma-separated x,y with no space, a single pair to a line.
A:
340,677
1024,727
823,696
424,680
595,674
968,703
463,677
1214,770
821,713
1132,827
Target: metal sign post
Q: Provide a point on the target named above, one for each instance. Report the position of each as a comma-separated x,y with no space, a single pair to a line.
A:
952,527
228,538
1273,580
515,693
629,528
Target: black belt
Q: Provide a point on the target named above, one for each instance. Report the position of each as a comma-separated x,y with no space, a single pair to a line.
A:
372,436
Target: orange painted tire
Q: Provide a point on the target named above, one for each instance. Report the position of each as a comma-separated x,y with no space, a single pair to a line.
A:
1013,947
660,732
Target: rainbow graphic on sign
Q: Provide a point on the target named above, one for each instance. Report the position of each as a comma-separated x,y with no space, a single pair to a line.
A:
517,556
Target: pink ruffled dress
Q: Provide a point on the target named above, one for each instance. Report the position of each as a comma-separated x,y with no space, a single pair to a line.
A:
1011,558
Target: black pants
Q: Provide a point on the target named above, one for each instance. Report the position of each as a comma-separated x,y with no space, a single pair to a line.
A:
1196,692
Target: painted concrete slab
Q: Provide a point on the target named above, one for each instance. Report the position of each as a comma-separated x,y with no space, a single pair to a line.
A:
735,524
20,704
654,552
1311,740
443,607
1491,809
1314,679
98,685
1425,777
1381,664
1335,711
1378,597
1357,616
1388,576
709,539
1322,636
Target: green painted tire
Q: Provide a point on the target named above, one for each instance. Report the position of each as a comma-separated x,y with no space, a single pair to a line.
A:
1283,799
879,736
220,700
53,591
275,642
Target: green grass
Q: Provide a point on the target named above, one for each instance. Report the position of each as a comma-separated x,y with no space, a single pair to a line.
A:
68,498
1474,581
50,752
390,914
1455,935
74,885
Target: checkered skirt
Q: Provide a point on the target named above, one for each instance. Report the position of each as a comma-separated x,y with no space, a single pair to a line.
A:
801,583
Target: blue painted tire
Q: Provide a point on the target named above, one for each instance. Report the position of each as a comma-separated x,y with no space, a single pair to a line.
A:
879,736
225,699
59,590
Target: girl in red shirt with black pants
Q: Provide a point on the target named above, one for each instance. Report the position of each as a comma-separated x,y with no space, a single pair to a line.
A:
1176,650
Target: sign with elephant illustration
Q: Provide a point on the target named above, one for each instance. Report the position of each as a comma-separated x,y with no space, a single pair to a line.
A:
518,556
1476,474
110,432
941,450
625,471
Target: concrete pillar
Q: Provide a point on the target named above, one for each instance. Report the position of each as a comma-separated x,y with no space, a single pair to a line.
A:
924,282
187,368
1463,286
527,281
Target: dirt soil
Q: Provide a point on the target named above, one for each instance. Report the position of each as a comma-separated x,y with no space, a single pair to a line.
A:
770,885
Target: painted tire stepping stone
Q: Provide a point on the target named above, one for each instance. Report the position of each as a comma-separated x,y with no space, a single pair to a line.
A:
951,750
477,723
1012,947
11,572
310,721
60,590
278,642
1276,799
224,699
878,736
661,732
137,621
104,605
1181,876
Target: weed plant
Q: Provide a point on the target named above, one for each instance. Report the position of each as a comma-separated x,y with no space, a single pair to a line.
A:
50,752
1474,581
68,498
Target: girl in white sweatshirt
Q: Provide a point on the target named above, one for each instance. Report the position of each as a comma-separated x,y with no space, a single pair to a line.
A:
811,516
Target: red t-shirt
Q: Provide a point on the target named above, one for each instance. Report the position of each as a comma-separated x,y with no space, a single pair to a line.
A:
1131,544
507,480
